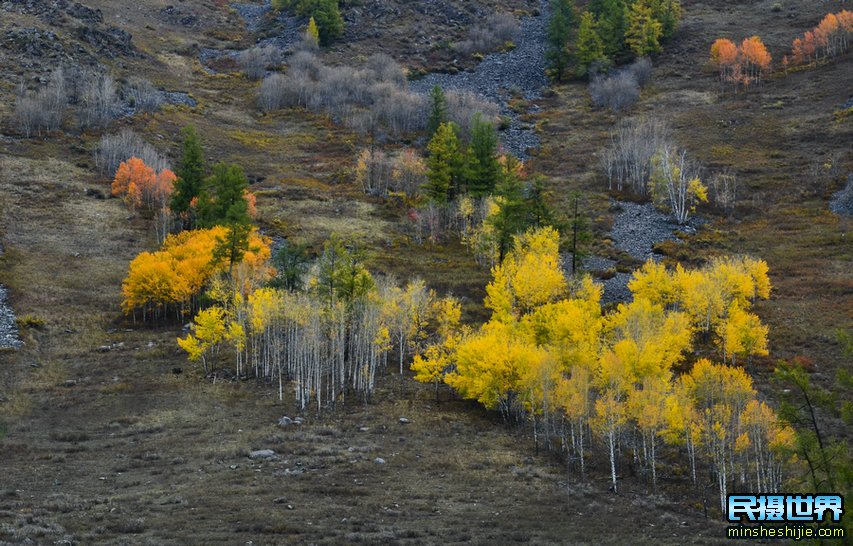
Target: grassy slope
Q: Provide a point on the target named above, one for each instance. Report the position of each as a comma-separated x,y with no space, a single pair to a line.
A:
115,447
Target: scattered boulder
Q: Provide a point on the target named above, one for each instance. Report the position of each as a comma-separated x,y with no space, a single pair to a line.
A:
404,421
285,421
112,42
379,460
262,454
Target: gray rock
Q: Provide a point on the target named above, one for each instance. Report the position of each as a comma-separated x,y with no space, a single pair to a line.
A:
379,460
842,201
285,421
524,67
404,421
262,454
8,323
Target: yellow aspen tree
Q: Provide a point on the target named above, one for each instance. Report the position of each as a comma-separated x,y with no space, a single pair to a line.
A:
655,284
574,394
208,331
765,443
648,340
530,275
719,393
646,407
682,425
742,334
608,420
431,366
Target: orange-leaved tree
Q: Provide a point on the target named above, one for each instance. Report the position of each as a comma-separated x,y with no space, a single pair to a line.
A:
140,186
724,56
830,38
755,60
741,65
172,278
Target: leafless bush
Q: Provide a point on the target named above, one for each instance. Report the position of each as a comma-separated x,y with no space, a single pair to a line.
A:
373,171
99,101
272,92
142,95
402,112
642,70
113,149
615,92
433,222
462,105
386,69
379,173
628,161
371,98
37,112
495,31
724,190
620,89
255,61
409,173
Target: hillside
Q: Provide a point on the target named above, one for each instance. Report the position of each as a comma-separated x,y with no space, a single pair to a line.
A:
109,435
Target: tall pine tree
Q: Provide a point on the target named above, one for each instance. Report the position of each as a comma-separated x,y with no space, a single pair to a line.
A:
483,168
560,29
644,31
438,110
190,181
444,164
589,49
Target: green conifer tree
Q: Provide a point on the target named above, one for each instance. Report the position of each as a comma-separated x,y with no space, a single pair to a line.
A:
589,49
644,31
190,173
438,110
483,171
444,164
560,29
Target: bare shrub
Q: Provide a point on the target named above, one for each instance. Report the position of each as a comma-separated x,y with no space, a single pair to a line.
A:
113,149
724,190
628,161
615,92
400,111
372,99
409,173
379,173
461,107
386,69
642,70
494,32
620,89
373,171
255,61
26,115
38,112
142,95
99,101
271,95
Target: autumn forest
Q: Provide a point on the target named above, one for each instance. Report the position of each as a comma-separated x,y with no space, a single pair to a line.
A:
374,285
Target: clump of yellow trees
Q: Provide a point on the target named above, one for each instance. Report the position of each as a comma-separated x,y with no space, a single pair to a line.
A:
587,379
329,340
